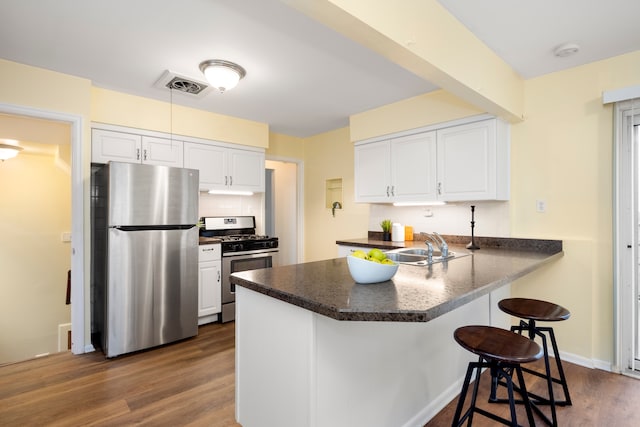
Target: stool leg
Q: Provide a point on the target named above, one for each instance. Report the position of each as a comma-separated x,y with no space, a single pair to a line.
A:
563,379
534,331
525,396
512,404
457,421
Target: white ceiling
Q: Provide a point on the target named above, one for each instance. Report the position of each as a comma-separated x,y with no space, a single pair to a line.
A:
302,78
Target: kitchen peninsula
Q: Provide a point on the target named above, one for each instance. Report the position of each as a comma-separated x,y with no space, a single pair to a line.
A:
313,348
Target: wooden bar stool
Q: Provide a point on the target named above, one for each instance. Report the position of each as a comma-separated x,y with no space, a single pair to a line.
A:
532,310
502,352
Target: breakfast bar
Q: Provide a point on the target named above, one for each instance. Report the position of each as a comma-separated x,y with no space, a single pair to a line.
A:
314,348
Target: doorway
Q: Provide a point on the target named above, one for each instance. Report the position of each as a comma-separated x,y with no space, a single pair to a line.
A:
283,207
626,242
76,249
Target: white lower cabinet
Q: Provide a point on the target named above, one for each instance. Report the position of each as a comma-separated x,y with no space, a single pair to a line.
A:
209,283
226,169
455,163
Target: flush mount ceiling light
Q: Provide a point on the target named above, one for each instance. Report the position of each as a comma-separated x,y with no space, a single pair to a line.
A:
8,149
566,49
223,75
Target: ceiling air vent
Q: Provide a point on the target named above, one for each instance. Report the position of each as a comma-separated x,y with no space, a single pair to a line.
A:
183,84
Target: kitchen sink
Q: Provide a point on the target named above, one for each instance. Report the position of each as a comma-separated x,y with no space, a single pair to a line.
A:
418,256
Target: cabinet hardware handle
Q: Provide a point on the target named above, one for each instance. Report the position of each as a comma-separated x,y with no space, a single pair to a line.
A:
387,191
439,188
138,154
230,180
393,190
226,180
145,154
218,275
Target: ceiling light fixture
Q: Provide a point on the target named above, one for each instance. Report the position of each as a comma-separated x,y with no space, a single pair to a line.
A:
9,148
223,75
566,49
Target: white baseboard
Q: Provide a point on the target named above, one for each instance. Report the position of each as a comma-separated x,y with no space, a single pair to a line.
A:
587,363
435,406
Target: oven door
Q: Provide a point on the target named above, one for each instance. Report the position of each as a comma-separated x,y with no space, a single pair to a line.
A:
234,262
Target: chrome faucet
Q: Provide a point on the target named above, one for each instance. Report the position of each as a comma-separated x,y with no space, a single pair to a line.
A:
439,242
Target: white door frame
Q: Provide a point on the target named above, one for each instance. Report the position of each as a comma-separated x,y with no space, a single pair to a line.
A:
300,202
77,216
625,247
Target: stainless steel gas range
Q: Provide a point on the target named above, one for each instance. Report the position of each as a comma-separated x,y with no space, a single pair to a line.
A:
242,250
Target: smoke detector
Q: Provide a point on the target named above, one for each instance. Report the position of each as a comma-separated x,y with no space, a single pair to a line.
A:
566,49
182,84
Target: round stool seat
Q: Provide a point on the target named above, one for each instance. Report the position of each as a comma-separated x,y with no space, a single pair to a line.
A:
497,344
534,309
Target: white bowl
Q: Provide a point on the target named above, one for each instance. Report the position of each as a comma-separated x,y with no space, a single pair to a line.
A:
364,271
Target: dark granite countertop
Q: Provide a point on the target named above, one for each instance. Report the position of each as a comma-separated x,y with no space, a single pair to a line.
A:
208,240
414,294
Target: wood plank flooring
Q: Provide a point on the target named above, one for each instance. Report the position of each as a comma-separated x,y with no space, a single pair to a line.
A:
192,384
185,384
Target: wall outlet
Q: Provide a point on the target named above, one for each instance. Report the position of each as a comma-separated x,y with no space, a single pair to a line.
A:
66,236
541,206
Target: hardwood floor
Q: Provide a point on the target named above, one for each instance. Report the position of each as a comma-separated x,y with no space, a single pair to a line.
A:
599,399
192,384
186,384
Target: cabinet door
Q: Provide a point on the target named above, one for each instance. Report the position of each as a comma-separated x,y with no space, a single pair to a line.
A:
162,151
209,288
116,146
372,171
467,162
413,167
246,170
210,160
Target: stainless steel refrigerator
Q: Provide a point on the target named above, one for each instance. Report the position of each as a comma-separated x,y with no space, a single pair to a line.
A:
144,256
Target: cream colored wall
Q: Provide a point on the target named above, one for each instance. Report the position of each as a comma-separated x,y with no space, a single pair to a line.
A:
327,156
562,153
35,209
424,110
285,146
143,113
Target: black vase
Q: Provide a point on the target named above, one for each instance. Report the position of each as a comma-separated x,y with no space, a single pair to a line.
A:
386,236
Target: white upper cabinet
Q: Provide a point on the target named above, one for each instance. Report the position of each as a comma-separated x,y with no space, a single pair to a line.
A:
413,167
121,147
161,151
473,162
373,172
210,160
246,170
226,169
399,169
107,145
464,162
